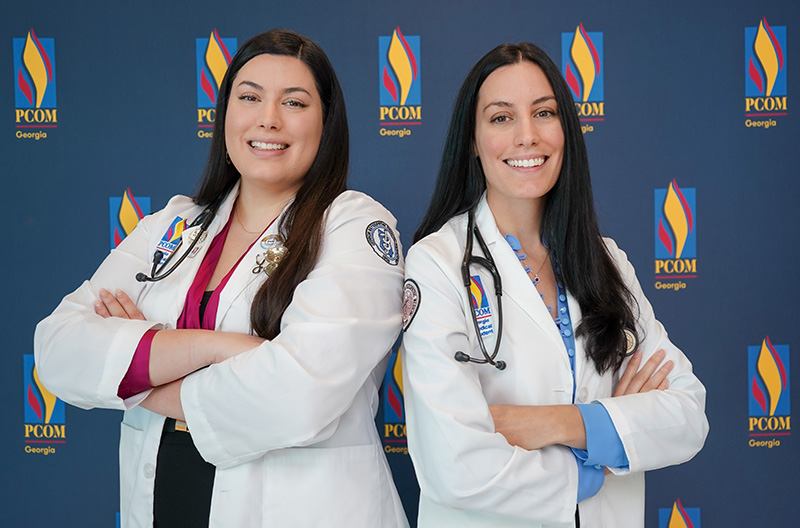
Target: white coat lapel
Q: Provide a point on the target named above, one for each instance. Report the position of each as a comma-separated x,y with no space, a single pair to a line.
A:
517,286
243,281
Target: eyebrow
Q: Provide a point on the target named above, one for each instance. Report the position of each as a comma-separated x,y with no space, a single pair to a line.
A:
504,104
288,90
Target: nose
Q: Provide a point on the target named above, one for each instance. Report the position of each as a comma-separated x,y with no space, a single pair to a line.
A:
270,116
527,132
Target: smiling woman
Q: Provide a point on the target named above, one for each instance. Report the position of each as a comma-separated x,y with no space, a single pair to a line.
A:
588,392
249,378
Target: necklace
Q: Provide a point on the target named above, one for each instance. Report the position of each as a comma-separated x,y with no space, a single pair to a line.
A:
236,215
517,247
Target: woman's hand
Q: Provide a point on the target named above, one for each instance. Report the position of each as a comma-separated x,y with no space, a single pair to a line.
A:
634,381
536,426
117,304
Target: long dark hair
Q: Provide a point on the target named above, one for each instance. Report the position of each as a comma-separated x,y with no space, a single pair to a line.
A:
569,223
302,224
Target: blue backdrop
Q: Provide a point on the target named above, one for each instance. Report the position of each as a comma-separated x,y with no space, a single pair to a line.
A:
693,154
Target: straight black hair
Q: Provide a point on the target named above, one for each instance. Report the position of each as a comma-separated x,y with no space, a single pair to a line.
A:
569,223
302,225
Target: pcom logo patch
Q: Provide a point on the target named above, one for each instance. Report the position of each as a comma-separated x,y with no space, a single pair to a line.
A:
675,236
582,64
44,413
399,83
34,86
769,400
765,74
394,414
124,213
480,303
212,57
678,517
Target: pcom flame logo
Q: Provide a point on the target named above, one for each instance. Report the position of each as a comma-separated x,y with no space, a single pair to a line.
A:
124,213
678,516
393,391
478,293
41,407
401,72
213,59
765,60
769,379
582,64
394,416
676,223
399,82
34,69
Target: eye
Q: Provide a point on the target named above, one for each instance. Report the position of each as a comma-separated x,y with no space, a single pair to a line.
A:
248,97
500,119
545,113
294,103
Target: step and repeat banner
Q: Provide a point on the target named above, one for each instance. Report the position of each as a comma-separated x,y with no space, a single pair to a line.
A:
687,108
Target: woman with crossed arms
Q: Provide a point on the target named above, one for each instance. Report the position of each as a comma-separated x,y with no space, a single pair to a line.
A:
538,385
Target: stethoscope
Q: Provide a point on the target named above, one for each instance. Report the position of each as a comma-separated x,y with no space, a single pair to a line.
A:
158,272
487,262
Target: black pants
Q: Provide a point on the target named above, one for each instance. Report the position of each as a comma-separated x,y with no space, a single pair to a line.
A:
183,485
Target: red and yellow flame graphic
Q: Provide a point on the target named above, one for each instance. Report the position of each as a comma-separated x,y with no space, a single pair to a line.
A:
39,68
476,289
678,517
587,61
679,218
129,215
393,398
48,399
176,231
773,375
404,65
217,60
769,53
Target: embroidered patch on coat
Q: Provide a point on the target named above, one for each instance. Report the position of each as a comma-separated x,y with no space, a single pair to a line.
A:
411,299
381,238
480,303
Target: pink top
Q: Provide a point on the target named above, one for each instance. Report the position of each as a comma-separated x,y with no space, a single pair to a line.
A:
137,378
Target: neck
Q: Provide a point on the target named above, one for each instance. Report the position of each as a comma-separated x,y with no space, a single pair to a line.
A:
257,207
521,218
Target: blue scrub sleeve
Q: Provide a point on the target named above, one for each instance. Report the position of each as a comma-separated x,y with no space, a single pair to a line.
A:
604,448
603,444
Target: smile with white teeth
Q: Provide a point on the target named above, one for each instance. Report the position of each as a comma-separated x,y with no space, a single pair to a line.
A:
260,145
526,163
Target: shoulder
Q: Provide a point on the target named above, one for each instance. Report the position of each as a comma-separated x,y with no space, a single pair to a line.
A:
352,205
443,248
356,220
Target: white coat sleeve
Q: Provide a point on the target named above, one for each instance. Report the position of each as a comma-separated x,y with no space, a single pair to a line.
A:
81,357
341,323
459,459
657,428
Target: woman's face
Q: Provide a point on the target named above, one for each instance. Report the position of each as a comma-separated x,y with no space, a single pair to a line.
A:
518,134
273,123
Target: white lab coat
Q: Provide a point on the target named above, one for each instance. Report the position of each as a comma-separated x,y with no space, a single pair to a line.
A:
469,475
289,425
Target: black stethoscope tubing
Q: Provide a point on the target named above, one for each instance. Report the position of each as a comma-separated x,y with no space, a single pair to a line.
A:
487,262
204,220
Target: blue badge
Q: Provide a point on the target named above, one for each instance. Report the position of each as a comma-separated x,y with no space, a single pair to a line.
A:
384,244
